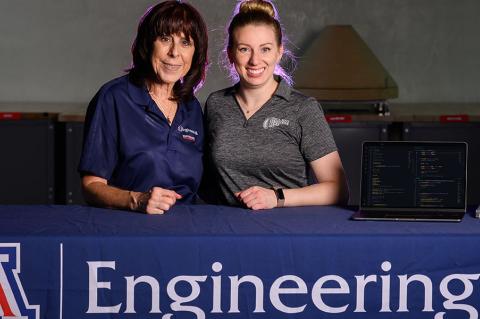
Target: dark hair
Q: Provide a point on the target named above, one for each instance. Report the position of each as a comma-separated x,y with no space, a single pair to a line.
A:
168,18
257,12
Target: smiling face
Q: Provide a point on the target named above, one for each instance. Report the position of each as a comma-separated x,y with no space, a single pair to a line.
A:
172,57
255,53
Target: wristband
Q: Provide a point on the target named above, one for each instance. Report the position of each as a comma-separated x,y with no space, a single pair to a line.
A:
280,196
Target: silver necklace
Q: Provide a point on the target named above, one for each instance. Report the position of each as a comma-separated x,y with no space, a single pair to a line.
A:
157,101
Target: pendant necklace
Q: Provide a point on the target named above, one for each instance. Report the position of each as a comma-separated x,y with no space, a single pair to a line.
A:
165,113
248,111
243,106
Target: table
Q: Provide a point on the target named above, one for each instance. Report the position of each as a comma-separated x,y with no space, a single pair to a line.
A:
218,262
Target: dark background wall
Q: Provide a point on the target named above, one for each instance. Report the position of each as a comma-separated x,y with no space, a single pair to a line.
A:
62,51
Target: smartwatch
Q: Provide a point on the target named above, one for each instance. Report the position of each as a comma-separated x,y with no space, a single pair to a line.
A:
280,196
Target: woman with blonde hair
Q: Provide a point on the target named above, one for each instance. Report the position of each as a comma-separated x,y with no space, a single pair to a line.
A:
262,135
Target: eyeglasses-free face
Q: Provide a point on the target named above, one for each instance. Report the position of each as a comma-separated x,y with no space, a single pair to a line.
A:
172,57
255,53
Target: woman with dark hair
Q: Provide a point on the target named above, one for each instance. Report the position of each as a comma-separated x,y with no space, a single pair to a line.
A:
263,136
143,142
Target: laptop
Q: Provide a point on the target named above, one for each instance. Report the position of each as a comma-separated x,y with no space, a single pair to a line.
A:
413,181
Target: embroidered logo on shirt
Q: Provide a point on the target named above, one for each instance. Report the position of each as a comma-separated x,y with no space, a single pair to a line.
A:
182,129
273,122
188,138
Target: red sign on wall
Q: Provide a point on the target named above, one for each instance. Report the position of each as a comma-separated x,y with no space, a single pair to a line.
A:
454,118
10,116
342,118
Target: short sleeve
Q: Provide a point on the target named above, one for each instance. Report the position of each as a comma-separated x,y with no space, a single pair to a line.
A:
99,154
316,138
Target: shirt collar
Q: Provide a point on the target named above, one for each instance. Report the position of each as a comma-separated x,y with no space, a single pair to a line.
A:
283,89
139,94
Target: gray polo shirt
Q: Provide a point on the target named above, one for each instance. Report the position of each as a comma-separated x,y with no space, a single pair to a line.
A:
272,148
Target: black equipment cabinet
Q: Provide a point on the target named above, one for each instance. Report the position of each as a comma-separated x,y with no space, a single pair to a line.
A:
27,161
69,150
459,132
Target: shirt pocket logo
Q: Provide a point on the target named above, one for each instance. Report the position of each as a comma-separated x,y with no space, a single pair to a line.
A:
271,122
188,134
188,138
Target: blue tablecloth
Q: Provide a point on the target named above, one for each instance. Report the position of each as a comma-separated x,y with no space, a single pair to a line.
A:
219,262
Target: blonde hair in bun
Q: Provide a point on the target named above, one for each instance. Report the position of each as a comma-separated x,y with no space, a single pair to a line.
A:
248,12
258,5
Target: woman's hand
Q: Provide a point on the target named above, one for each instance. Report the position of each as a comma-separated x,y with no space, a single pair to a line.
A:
98,193
157,201
257,197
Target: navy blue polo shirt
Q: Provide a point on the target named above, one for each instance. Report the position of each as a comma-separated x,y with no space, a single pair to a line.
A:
128,141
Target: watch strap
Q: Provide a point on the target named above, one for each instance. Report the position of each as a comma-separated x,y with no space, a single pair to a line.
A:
280,196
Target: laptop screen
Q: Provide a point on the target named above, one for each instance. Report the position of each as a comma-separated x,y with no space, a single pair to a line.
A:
414,175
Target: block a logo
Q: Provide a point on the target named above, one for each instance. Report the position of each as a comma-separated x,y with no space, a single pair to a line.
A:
13,302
